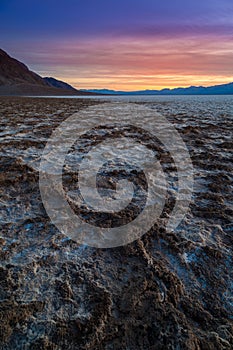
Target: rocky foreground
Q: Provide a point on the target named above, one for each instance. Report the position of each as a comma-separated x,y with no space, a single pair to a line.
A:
164,291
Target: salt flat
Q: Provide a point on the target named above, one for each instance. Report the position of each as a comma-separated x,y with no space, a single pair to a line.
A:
172,287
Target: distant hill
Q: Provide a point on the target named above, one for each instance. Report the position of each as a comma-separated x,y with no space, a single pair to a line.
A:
58,84
17,79
224,89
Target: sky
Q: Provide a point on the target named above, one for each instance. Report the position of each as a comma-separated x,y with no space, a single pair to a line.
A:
124,44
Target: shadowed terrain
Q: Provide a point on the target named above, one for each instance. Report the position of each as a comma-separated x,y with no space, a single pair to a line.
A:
17,79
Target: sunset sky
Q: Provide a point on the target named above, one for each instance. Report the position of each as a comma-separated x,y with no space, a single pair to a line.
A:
124,44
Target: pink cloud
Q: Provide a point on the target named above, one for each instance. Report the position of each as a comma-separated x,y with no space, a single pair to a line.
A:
129,62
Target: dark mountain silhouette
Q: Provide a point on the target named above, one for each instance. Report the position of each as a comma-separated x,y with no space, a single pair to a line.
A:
58,83
224,89
17,79
15,72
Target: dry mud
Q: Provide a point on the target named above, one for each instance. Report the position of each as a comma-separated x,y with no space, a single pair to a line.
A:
164,291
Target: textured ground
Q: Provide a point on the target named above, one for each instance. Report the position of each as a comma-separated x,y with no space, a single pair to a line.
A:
164,291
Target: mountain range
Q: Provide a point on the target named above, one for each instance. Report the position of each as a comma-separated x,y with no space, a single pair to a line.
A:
17,79
224,89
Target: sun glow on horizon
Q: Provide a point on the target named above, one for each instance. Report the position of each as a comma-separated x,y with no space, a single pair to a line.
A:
172,82
145,63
